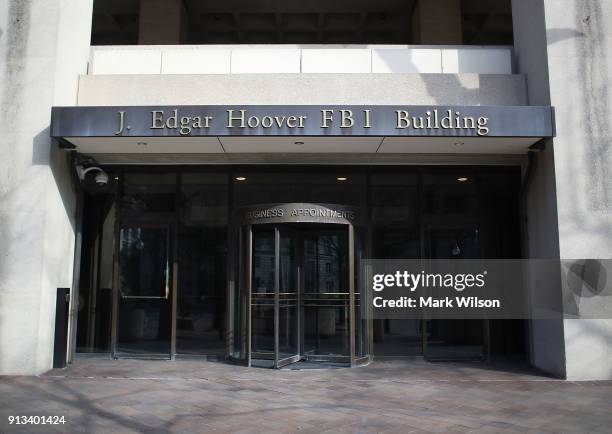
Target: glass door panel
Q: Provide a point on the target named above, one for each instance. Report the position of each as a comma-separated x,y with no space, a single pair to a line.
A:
144,282
288,298
454,339
325,293
262,294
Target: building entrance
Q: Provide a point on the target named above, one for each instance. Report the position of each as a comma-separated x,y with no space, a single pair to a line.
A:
180,264
300,280
300,295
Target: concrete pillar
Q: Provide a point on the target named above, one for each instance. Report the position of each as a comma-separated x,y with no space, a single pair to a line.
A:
547,349
438,22
44,45
580,69
565,52
162,22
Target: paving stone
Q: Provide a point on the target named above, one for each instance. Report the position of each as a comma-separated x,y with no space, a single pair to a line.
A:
390,396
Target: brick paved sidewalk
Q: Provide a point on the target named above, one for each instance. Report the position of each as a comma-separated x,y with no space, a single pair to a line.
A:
101,396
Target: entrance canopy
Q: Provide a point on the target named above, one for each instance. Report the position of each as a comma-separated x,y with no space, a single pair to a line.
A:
301,129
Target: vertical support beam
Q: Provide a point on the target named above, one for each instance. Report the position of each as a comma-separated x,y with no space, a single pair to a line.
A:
73,310
299,309
175,267
162,22
438,22
115,289
231,272
366,272
539,198
248,275
351,270
94,279
423,251
276,294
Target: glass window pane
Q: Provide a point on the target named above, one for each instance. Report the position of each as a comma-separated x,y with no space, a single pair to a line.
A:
96,274
202,276
144,269
145,303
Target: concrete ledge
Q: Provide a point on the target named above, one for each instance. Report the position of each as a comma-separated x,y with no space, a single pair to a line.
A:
302,89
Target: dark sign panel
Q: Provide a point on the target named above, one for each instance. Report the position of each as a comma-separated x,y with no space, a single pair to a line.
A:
416,121
301,213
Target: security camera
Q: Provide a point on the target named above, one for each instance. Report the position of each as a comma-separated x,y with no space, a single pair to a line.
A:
101,179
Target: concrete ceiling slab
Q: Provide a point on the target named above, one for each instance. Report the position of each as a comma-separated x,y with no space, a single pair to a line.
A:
304,145
456,145
154,145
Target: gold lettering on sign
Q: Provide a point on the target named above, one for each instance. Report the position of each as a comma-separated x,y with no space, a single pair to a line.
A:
423,124
157,120
483,126
243,120
327,117
171,121
366,121
402,119
231,118
346,119
184,124
449,120
121,123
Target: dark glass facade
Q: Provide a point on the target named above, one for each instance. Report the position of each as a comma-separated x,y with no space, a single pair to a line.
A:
167,267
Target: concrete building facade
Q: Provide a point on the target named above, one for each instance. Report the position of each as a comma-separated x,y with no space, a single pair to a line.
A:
138,57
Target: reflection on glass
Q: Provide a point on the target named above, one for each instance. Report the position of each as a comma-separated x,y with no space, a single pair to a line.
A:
148,196
143,262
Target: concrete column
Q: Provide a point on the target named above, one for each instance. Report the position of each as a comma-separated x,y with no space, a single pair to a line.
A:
564,50
580,70
44,45
541,229
438,22
162,22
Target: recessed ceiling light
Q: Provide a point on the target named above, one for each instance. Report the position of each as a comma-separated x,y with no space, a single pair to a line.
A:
298,143
342,178
240,178
116,178
459,143
463,179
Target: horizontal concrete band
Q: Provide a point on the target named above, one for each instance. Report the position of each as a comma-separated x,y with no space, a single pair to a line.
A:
306,120
302,89
308,59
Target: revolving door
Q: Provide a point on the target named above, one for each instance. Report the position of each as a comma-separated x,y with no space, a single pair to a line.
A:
299,275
